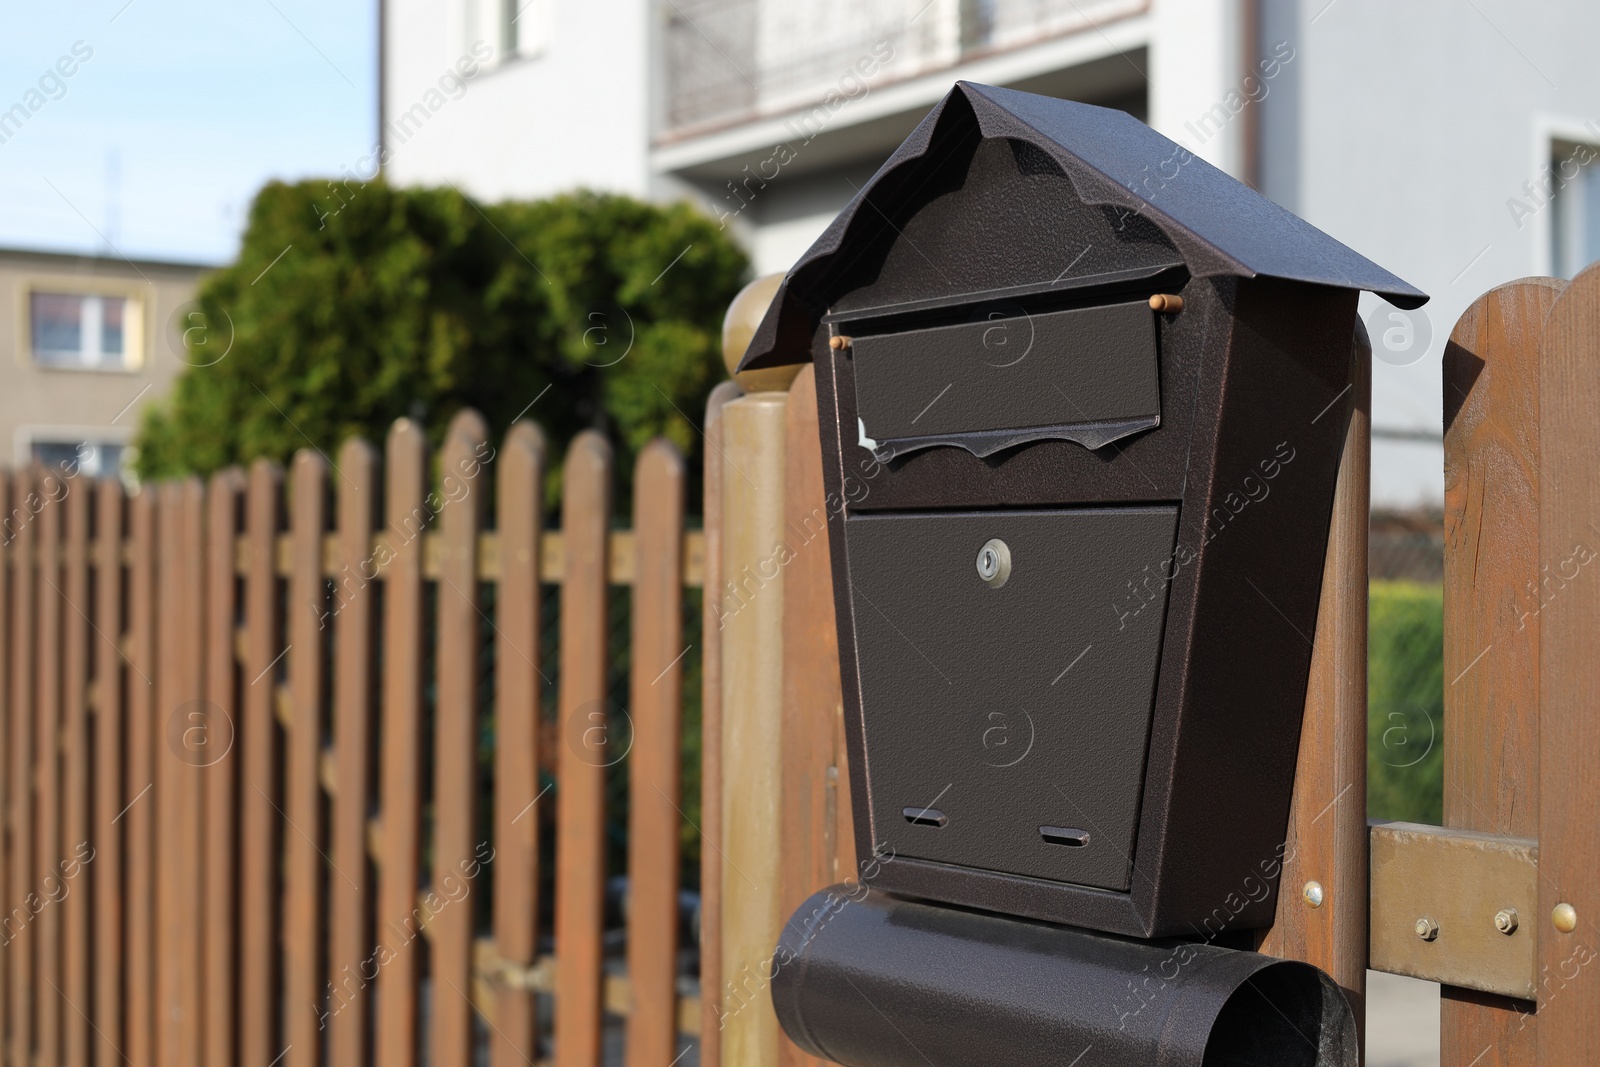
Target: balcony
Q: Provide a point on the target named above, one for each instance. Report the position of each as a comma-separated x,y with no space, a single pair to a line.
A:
729,62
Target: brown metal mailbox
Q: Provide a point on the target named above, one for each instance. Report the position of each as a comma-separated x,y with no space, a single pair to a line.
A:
1103,389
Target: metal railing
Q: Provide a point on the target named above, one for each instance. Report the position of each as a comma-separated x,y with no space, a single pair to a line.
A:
729,61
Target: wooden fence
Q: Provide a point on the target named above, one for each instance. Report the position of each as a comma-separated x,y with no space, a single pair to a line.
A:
245,817
248,735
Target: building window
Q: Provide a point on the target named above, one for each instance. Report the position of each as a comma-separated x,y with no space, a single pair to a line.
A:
524,27
90,459
84,331
1575,216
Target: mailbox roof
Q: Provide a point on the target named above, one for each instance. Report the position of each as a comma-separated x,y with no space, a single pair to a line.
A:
1218,224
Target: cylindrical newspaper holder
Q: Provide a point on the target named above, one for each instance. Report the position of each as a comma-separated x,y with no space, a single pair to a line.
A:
865,979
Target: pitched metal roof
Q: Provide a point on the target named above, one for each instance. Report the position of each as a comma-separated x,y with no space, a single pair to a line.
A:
1218,224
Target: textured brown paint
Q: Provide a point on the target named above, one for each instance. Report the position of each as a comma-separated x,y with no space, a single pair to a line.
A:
398,1034
74,844
1326,840
350,949
260,794
48,994
656,706
303,807
812,700
455,793
139,800
517,701
580,799
219,776
711,738
1569,675
111,677
19,940
1491,618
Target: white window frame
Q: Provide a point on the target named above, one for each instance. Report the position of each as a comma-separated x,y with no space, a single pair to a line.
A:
1550,132
135,321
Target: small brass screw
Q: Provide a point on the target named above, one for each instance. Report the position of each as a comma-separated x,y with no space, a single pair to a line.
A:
1313,894
1427,929
1565,918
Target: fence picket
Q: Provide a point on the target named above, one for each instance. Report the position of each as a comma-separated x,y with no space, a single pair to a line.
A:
455,844
75,776
580,800
139,805
654,814
19,934
221,761
260,1036
110,683
303,808
398,1032
516,778
186,752
10,509
1491,708
47,769
350,933
1569,734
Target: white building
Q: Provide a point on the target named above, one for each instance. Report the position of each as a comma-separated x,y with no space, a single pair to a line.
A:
1448,141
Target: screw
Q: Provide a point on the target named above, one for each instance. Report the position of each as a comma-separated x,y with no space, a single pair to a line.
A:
1427,929
1565,918
1313,894
1505,920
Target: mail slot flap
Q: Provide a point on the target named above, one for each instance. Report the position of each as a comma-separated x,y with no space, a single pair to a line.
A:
1086,374
1006,717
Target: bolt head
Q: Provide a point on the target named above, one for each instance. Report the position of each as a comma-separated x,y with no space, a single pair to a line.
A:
1505,920
1312,892
1565,918
1426,928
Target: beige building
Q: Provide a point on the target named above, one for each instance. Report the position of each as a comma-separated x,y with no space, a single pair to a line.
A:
85,343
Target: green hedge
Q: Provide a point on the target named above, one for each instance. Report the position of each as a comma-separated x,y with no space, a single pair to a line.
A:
1405,702
352,305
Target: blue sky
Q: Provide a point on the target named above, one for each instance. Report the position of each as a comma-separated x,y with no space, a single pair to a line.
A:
183,110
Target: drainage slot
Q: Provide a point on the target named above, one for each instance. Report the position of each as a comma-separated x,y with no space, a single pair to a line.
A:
924,816
1064,835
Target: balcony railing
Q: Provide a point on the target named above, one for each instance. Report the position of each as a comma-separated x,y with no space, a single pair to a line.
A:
730,61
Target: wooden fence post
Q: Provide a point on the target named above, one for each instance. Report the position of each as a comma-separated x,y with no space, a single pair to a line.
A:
751,619
1491,644
1327,835
712,863
1569,677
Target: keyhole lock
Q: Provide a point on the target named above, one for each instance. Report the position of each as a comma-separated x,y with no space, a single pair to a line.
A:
994,563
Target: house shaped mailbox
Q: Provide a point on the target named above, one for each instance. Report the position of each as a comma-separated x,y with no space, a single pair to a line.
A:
1098,392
